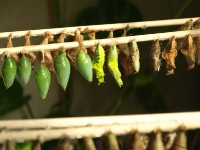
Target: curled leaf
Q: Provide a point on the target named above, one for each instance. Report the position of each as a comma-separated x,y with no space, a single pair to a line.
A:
189,50
155,56
113,65
98,63
169,54
135,56
196,25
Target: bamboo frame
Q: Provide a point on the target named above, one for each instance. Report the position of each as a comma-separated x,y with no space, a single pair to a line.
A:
103,27
104,42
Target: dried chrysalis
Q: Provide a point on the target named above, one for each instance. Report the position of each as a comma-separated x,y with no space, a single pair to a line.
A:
168,139
135,56
9,44
10,145
189,50
155,56
124,56
64,144
89,143
186,26
180,142
48,37
169,54
111,142
155,142
135,142
196,25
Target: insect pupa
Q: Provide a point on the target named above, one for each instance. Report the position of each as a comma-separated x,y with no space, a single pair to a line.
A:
64,144
111,142
89,143
155,56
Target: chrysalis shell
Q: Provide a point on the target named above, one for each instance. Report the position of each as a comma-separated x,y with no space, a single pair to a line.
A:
42,79
180,142
62,69
136,142
155,142
135,56
155,56
9,71
113,65
24,70
98,63
84,65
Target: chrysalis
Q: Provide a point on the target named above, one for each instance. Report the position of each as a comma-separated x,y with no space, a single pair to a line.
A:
135,56
64,144
26,145
113,65
168,139
112,143
10,145
36,145
9,71
136,142
98,63
196,25
47,54
186,26
89,143
155,56
84,65
155,142
169,54
189,50
62,69
24,70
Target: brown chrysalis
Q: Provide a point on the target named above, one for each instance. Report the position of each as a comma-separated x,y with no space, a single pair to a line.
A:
189,50
155,142
10,145
186,26
9,44
196,25
48,59
64,144
124,55
112,143
155,56
135,142
36,145
89,143
169,54
168,139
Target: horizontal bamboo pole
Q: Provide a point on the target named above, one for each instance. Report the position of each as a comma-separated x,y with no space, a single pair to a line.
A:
103,27
104,42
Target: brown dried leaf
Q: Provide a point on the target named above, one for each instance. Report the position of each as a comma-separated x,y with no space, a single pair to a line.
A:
169,54
155,142
189,50
155,56
135,142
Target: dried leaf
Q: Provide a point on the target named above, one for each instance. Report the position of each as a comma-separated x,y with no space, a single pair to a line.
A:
155,56
196,25
189,50
155,142
169,54
89,143
136,142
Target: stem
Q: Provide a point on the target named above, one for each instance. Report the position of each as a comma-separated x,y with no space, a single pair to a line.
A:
59,20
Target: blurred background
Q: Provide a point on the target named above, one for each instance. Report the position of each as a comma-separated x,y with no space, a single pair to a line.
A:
141,93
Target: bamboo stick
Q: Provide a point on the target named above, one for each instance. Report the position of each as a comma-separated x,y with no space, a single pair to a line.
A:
117,26
104,42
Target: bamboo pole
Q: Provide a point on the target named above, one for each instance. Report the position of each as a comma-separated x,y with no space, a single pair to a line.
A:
104,42
103,27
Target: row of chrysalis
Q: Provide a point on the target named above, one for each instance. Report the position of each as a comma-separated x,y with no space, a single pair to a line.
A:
85,60
137,141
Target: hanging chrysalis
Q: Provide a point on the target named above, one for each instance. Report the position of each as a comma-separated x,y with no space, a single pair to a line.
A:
84,65
189,50
169,54
89,143
10,145
155,56
36,145
155,142
180,142
136,142
186,26
9,44
113,65
124,55
64,144
98,63
9,71
42,79
48,37
168,139
24,70
62,69
196,25
135,56
26,145
111,142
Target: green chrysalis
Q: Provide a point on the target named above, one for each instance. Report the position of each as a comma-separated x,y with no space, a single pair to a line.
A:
84,65
113,65
9,71
98,63
62,69
42,80
24,70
